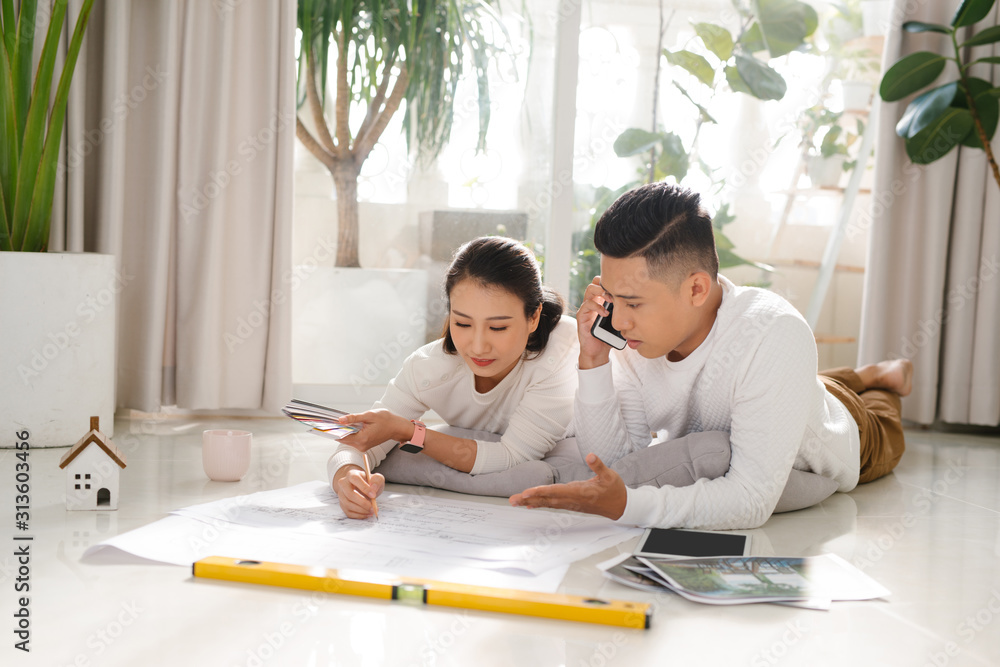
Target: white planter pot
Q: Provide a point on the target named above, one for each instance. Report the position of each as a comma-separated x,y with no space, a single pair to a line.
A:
875,17
355,326
857,95
825,172
57,365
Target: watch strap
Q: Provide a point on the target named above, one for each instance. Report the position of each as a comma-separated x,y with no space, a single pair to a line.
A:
416,443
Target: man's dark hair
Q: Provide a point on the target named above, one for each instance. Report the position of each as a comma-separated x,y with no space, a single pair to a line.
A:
664,224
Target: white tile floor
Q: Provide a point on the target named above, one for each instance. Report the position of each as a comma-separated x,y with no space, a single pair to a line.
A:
930,533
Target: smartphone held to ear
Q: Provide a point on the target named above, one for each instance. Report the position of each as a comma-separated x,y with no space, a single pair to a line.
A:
603,331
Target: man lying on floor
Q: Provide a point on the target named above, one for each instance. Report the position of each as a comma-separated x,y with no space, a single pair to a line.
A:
705,358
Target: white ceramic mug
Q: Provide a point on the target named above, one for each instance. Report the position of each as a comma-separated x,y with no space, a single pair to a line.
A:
225,454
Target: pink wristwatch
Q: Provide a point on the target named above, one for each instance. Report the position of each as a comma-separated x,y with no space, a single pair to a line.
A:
416,443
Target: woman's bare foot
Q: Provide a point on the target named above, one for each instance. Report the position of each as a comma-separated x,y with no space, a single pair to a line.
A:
895,376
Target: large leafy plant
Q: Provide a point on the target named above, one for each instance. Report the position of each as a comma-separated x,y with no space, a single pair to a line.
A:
386,52
31,128
961,112
719,62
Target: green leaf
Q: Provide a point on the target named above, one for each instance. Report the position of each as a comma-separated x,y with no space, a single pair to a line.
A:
736,81
753,39
717,39
764,83
634,141
729,259
922,111
40,216
4,227
991,60
674,160
7,14
721,241
34,128
21,61
911,74
987,107
920,26
722,218
971,11
693,63
934,141
8,139
829,146
988,36
705,116
785,24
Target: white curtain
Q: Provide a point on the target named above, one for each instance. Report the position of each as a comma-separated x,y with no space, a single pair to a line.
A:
178,156
932,284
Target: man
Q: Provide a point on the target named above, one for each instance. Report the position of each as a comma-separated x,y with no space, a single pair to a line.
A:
705,355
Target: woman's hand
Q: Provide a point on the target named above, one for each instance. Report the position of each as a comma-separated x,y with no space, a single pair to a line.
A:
355,494
377,426
593,352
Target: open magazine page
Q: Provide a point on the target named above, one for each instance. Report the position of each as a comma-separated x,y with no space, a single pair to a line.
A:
735,580
742,580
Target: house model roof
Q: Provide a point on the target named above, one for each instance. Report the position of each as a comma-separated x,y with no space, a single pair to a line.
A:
94,436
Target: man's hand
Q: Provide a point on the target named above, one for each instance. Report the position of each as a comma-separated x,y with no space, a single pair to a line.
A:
355,493
604,494
377,426
593,352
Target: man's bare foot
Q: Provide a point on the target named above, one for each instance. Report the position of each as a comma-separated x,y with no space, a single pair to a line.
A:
895,376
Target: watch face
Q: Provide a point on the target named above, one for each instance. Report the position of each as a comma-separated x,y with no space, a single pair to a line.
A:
411,448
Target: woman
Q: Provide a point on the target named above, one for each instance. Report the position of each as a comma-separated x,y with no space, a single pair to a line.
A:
506,366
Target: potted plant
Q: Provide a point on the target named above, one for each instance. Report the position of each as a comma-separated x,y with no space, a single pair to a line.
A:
827,143
961,112
855,59
720,61
58,365
385,54
360,64
858,70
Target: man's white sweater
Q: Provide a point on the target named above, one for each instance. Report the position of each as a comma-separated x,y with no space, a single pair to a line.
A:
531,407
754,376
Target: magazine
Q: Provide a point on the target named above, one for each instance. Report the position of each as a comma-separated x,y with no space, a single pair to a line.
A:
321,419
811,582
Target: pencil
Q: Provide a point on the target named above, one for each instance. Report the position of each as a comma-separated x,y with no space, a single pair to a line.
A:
368,478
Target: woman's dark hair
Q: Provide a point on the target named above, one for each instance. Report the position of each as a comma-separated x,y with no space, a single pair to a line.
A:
502,263
664,224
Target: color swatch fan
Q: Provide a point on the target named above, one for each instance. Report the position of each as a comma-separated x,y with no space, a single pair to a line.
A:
319,418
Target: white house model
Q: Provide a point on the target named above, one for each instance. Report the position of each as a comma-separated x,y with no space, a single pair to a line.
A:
92,471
